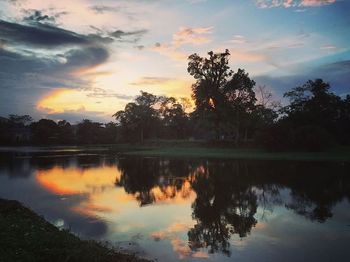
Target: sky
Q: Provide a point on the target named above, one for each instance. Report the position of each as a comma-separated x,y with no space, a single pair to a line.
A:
86,59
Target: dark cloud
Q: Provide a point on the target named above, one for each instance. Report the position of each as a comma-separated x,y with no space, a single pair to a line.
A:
140,47
45,35
38,56
131,36
38,16
22,71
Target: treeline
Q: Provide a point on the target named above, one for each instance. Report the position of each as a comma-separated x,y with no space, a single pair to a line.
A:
21,130
229,108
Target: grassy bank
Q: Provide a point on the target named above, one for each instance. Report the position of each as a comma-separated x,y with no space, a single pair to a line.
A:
212,151
25,236
183,148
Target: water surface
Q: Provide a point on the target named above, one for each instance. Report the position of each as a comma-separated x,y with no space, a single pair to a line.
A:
190,209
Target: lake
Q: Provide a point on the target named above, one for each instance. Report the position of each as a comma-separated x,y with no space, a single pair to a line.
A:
189,209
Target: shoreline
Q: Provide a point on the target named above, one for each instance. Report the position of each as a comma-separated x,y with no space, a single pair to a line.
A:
182,149
26,236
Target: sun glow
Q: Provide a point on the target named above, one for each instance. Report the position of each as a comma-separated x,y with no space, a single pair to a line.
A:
71,100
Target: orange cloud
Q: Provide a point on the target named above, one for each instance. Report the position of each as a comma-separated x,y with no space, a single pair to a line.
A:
188,35
74,100
246,56
185,35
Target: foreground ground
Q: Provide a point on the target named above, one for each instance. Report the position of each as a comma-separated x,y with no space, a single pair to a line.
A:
25,236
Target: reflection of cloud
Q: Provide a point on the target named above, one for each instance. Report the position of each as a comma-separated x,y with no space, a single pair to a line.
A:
179,245
72,181
96,184
172,194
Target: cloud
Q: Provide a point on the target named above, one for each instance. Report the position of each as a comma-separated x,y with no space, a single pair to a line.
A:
120,35
100,9
38,16
37,56
149,80
247,56
102,93
292,3
45,35
184,36
169,51
328,47
194,36
238,39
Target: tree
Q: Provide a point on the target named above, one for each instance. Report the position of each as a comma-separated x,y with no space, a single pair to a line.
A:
20,120
174,118
221,96
139,118
241,101
211,75
311,121
90,132
65,132
45,131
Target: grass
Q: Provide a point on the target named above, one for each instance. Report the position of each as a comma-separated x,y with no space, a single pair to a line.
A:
25,236
212,151
201,149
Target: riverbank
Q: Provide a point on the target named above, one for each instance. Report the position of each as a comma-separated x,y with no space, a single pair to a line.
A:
335,154
182,149
25,236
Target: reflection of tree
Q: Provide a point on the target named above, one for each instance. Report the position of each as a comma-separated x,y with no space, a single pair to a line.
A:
225,205
316,193
152,179
229,192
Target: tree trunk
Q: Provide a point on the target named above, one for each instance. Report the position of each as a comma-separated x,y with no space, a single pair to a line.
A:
237,129
141,135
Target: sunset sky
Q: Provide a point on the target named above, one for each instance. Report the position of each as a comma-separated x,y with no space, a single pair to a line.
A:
65,59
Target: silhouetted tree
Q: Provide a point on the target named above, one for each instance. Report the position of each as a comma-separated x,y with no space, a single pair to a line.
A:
65,132
223,99
174,119
138,120
311,121
89,132
45,131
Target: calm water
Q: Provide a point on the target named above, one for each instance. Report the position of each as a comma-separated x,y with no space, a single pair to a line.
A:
190,209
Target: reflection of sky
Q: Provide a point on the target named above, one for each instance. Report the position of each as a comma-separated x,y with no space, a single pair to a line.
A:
110,50
85,198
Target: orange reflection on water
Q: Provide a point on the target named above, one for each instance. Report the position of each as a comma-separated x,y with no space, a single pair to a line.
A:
70,181
100,194
171,194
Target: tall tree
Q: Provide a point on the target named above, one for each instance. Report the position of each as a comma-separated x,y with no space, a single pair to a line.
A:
139,118
221,96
